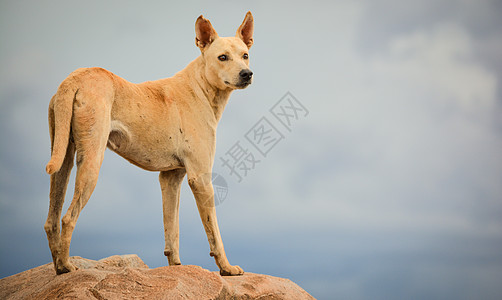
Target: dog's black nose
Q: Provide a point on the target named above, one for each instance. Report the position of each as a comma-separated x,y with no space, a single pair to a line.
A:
246,74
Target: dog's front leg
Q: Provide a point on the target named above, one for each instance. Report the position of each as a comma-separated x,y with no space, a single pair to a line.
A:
202,189
170,184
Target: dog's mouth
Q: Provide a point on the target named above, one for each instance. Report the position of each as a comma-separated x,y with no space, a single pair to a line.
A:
240,85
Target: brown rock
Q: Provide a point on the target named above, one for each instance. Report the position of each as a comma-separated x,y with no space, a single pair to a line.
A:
258,286
128,277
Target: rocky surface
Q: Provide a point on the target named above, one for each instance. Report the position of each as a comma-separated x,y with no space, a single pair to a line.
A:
128,277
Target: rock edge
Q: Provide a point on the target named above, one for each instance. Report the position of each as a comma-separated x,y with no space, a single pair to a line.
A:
128,277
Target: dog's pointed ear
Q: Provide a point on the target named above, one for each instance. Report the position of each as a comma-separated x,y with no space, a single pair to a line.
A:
245,31
204,33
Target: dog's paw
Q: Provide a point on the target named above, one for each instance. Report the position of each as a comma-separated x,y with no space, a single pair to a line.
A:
65,268
173,259
231,271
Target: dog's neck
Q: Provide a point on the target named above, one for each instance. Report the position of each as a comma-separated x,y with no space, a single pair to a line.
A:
203,90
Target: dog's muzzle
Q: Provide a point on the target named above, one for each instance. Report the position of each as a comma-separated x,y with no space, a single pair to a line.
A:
245,77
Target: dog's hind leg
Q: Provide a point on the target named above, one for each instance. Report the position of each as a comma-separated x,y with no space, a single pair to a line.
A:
170,183
91,128
59,183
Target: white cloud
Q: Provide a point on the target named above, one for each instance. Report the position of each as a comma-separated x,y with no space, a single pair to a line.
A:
442,62
413,139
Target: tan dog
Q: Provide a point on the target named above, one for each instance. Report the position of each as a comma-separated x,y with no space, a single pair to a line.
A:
168,125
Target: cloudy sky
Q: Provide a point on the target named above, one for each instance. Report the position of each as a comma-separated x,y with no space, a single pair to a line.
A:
390,187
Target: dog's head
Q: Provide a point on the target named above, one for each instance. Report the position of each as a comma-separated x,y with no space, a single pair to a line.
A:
226,58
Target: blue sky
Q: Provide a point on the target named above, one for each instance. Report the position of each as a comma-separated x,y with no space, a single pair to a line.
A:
390,188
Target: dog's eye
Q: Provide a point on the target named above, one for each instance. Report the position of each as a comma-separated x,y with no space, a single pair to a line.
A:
245,56
222,57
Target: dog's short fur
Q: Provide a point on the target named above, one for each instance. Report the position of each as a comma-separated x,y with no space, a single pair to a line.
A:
168,125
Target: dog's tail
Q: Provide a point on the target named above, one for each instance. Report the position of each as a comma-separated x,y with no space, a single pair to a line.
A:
60,116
